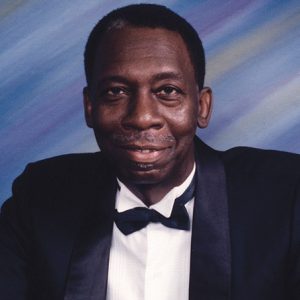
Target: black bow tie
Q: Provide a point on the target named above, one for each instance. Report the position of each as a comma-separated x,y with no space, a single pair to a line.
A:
137,218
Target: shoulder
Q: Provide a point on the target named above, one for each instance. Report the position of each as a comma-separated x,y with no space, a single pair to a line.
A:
61,172
68,164
262,182
247,162
58,185
258,162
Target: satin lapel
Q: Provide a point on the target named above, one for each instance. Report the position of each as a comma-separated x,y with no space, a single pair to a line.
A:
210,269
87,278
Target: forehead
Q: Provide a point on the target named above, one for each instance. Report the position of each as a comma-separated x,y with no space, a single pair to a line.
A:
142,50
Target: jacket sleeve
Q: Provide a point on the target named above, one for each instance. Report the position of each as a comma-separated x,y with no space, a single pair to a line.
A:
294,279
15,242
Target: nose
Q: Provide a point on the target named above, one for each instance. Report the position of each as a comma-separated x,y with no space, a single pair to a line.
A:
143,113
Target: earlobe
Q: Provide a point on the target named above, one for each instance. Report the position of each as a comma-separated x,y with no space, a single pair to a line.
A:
88,107
205,107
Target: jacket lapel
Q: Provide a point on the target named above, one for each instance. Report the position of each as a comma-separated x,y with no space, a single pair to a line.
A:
210,270
88,270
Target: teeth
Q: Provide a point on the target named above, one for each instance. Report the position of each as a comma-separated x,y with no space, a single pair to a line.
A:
144,150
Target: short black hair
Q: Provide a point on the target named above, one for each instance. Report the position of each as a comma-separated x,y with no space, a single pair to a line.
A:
152,16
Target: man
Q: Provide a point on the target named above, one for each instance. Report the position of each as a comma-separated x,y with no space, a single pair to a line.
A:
221,225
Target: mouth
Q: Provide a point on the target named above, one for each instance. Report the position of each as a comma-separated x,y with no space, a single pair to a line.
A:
146,154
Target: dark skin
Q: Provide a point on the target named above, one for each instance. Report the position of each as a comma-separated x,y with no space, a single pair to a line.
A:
144,105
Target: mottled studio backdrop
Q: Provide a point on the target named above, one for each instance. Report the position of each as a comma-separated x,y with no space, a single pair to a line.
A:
253,53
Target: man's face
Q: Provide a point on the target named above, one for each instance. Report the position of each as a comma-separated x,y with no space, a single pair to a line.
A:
144,105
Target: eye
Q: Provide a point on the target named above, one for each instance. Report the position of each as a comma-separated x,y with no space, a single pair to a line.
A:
168,92
115,91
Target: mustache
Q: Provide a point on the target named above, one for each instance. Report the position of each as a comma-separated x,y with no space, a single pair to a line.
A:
142,137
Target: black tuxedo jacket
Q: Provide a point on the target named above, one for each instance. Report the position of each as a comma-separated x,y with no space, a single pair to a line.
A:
55,231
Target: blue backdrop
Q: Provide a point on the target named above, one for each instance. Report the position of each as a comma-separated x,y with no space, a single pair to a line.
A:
253,65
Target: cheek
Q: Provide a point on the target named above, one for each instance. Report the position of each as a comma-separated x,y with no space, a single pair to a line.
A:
183,122
105,120
105,124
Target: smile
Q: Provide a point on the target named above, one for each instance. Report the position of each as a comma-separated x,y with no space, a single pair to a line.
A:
144,150
144,154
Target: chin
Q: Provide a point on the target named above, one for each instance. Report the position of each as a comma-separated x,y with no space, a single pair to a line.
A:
144,175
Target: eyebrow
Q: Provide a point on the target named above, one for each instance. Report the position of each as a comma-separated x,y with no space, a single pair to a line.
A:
167,75
156,77
116,78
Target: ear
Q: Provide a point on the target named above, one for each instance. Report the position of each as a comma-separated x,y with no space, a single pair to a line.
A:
205,107
88,108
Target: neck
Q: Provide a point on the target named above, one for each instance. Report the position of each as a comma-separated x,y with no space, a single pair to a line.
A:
148,193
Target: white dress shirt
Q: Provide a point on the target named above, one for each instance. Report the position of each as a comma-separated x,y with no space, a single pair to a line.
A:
154,262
